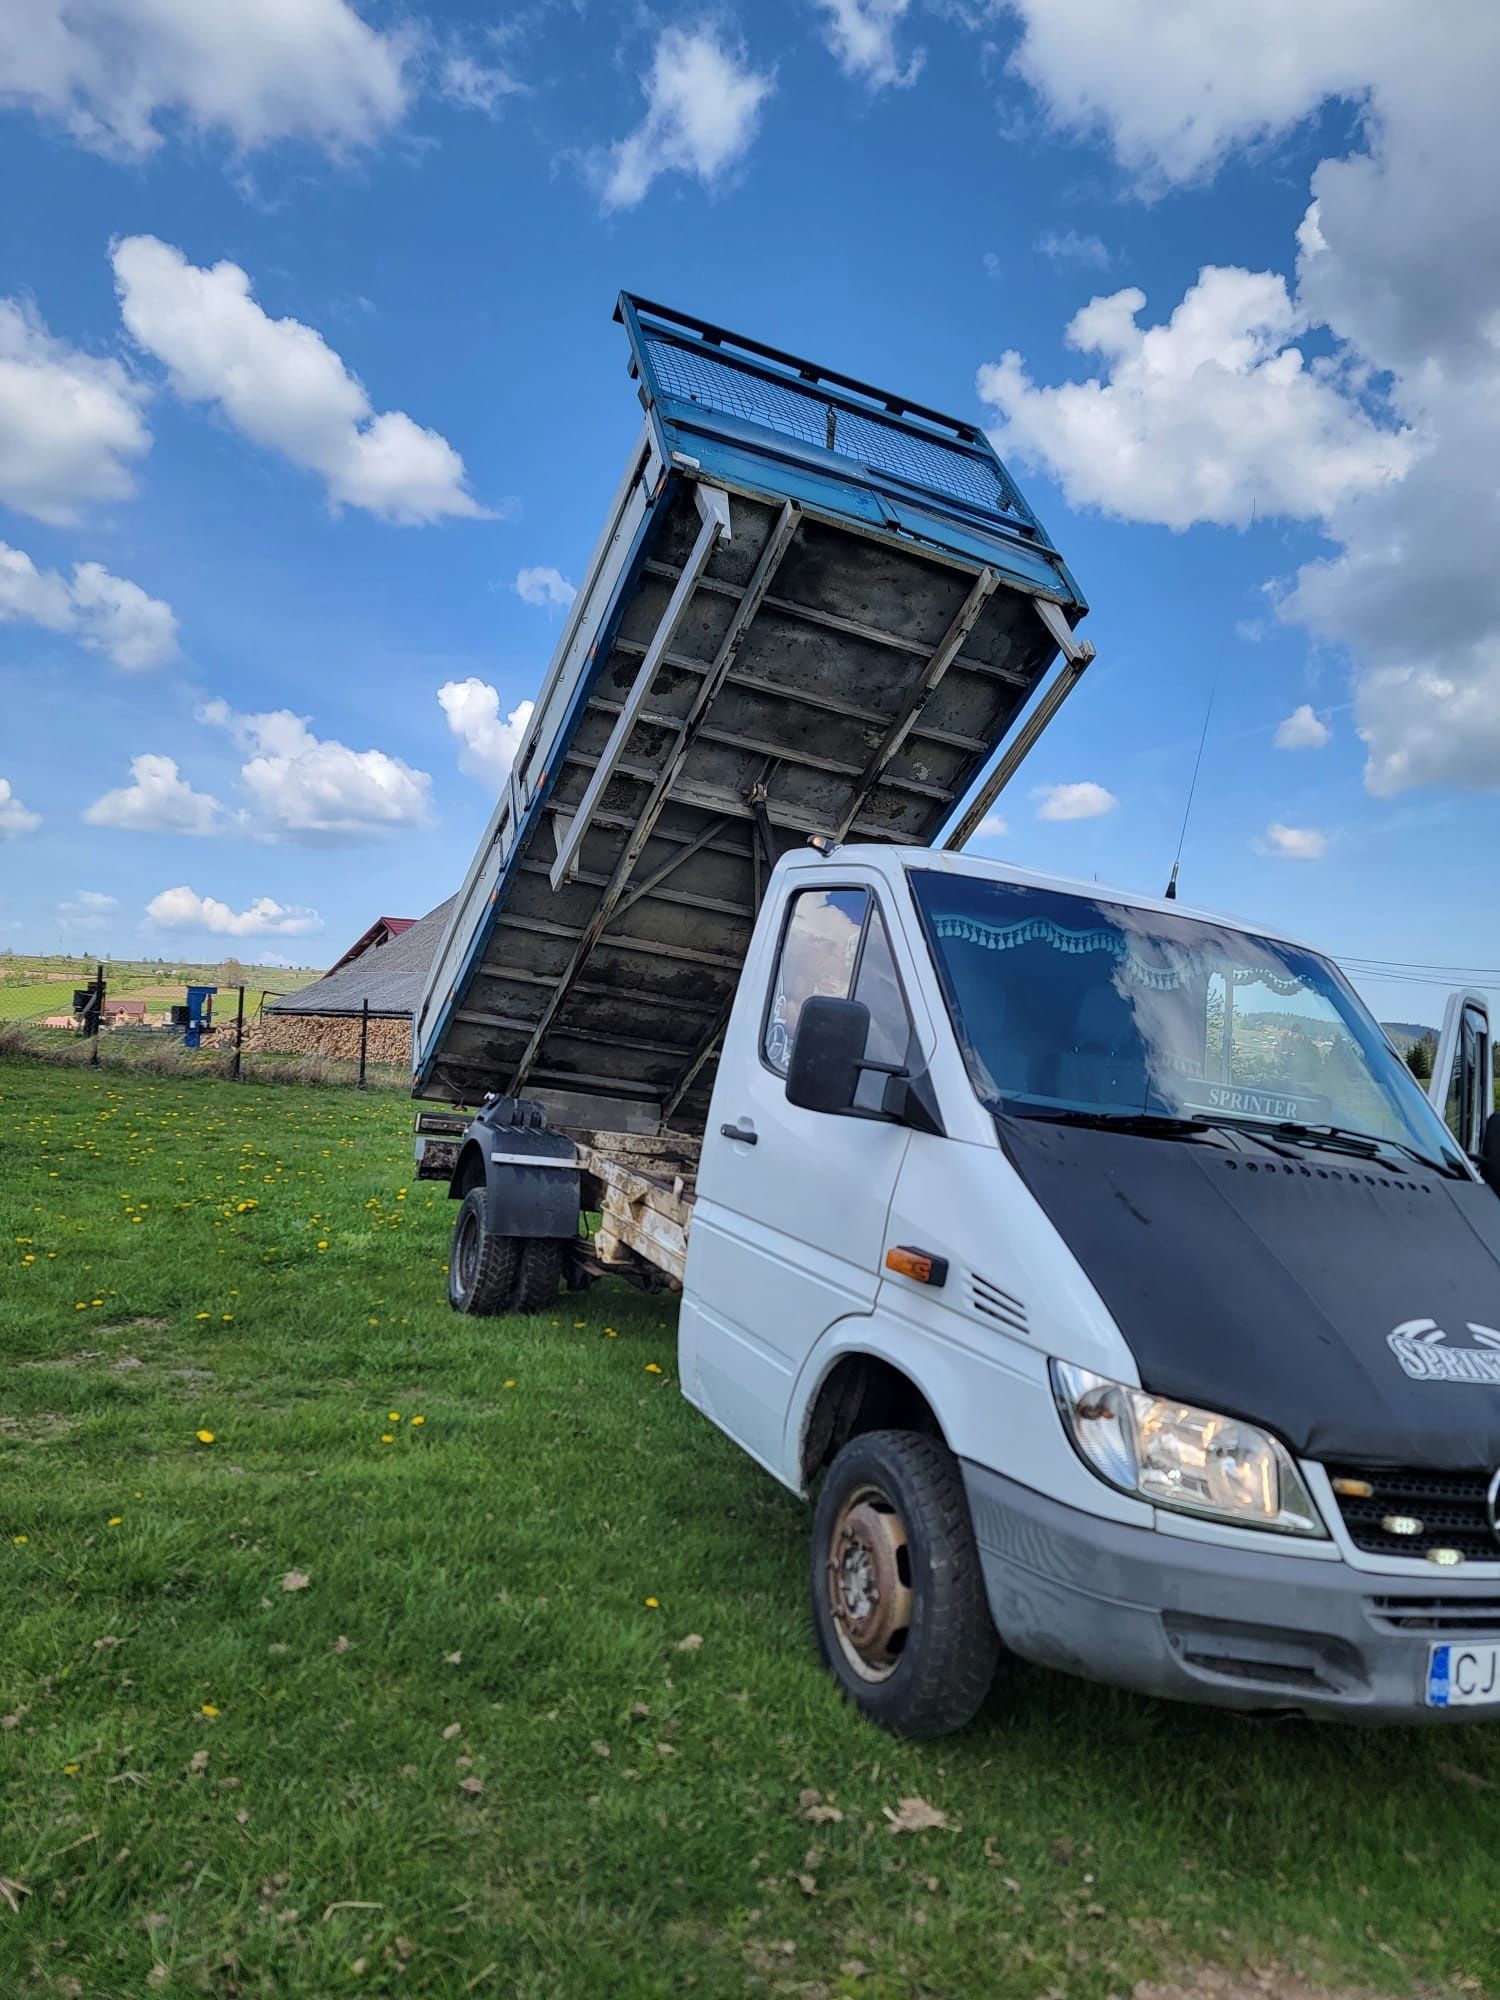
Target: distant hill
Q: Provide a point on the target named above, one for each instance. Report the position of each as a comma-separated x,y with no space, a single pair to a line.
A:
1405,1033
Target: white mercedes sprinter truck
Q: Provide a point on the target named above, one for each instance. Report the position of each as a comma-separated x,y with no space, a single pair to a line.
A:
1097,1266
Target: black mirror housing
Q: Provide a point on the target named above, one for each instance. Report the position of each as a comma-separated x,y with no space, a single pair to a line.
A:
1489,1151
827,1054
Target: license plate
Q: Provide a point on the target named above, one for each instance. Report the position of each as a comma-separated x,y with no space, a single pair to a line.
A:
1460,1676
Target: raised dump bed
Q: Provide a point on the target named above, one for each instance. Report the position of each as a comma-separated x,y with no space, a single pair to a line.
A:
815,609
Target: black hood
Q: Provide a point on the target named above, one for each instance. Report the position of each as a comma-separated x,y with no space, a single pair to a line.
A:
1338,1302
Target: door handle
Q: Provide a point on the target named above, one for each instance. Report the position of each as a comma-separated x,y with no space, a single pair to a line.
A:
746,1134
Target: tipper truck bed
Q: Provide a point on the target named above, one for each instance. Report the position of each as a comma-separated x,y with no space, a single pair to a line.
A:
815,609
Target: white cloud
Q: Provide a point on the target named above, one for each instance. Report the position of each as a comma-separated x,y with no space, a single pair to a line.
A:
106,613
301,787
703,106
87,911
158,799
1303,729
544,586
113,72
1084,800
862,35
1176,87
1212,416
183,909
477,86
70,422
488,741
1293,843
1398,259
15,819
1070,250
991,827
281,385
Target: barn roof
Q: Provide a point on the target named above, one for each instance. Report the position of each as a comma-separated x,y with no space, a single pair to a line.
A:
378,935
391,979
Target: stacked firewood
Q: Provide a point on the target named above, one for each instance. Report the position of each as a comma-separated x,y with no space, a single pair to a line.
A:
334,1035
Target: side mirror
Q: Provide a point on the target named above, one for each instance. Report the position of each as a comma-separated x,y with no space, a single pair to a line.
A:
1489,1151
827,1054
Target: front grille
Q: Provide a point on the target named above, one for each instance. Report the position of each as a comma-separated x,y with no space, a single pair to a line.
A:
1467,1616
1452,1507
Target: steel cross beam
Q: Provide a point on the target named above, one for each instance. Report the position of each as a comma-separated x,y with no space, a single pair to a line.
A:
777,543
1076,655
713,506
901,726
707,1048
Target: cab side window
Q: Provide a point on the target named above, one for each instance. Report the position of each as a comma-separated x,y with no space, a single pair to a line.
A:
836,943
819,950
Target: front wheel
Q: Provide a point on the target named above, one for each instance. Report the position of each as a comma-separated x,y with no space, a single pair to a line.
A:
898,1597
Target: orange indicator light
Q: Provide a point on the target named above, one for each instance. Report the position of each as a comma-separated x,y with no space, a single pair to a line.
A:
918,1265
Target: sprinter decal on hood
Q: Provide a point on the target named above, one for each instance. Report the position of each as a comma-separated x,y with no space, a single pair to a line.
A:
1420,1346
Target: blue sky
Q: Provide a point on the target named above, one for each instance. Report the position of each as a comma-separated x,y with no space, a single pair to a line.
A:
226,555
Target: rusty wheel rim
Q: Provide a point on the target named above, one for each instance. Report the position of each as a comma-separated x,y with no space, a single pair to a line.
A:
868,1574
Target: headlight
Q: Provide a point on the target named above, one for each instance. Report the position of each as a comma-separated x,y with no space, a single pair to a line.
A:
1176,1456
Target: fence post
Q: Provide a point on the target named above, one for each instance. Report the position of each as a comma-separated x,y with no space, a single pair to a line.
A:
364,1041
239,1033
98,1015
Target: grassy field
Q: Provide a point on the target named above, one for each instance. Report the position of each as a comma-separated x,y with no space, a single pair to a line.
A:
353,1648
36,985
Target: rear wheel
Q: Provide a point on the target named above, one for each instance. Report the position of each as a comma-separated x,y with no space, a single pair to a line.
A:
488,1273
539,1276
482,1267
898,1597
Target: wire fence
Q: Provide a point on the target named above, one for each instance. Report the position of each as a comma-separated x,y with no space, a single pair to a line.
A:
239,1039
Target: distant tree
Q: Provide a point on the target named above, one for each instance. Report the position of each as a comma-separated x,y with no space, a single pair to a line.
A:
232,973
1419,1058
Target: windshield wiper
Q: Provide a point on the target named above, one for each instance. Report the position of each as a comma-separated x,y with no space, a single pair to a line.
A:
1159,1124
1345,1138
1332,1139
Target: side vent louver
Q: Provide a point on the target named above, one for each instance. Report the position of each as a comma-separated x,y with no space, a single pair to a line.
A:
991,1302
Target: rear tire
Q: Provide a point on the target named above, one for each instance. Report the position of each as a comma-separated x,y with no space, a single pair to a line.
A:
482,1267
540,1274
898,1596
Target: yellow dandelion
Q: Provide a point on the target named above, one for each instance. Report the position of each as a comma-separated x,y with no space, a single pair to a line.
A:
388,1437
226,1315
114,1520
204,1437
323,1245
511,1383
419,1420
653,1604
209,1710
20,1538
653,1368
202,1315
393,1416
71,1770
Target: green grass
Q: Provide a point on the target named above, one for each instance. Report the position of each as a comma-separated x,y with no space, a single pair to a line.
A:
19,999
181,1255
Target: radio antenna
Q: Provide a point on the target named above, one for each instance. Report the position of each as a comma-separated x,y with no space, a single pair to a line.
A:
1192,791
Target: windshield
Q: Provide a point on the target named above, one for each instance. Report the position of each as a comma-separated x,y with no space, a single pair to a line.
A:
1065,1004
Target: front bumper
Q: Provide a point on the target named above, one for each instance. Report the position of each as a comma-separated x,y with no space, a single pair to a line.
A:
1204,1622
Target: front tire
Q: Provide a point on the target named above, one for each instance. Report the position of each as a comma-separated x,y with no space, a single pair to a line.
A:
898,1596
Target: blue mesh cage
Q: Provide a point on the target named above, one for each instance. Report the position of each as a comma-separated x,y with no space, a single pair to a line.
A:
687,366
